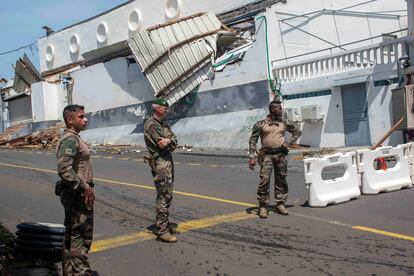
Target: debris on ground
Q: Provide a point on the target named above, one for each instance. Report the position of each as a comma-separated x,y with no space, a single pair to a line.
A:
299,146
45,139
314,153
186,147
117,149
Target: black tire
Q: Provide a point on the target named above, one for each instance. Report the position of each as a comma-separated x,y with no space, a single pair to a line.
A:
41,244
39,237
42,228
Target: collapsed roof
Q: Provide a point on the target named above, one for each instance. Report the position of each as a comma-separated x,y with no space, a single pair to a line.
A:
242,18
25,74
176,57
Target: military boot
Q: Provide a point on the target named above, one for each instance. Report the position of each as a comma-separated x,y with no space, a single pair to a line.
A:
167,237
280,208
262,210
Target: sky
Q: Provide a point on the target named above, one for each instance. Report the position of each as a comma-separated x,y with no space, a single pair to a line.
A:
21,23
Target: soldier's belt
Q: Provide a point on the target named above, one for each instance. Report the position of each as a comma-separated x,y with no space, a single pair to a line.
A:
273,151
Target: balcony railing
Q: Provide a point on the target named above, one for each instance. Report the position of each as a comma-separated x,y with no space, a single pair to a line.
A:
365,57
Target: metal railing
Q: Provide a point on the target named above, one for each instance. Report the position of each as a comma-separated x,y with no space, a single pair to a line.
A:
365,57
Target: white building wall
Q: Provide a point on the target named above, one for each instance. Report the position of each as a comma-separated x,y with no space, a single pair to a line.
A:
252,68
380,114
118,82
4,116
335,29
110,84
38,107
328,132
152,13
48,99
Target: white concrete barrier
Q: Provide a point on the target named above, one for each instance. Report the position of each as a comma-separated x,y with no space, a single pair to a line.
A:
395,178
331,191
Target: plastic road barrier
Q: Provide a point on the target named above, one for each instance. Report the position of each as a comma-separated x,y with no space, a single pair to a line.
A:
332,191
395,178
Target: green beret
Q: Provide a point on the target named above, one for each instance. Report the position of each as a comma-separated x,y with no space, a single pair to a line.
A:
162,102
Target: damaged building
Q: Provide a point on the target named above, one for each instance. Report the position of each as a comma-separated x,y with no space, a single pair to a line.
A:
219,64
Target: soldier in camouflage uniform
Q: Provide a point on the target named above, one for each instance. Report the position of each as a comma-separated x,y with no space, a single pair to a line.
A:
161,141
272,155
76,192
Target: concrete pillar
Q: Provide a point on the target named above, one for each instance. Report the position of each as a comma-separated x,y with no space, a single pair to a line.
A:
2,128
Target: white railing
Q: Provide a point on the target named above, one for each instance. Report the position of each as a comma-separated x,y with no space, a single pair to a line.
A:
365,57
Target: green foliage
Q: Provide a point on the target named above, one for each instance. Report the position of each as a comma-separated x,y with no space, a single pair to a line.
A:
6,237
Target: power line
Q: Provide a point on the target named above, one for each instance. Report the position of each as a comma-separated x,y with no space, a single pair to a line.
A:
30,46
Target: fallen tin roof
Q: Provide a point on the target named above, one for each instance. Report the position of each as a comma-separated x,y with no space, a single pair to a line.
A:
25,74
176,57
107,53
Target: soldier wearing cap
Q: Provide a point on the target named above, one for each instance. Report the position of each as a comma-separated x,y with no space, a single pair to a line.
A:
76,192
161,142
273,153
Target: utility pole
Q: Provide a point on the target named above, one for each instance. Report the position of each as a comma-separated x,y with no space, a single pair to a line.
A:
410,22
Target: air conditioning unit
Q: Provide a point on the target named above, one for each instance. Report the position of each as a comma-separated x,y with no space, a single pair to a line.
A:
292,114
312,113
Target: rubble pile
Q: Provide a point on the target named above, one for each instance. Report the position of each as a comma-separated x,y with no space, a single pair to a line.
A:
314,153
116,149
44,139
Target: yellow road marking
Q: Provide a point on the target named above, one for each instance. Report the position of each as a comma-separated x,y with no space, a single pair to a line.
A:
123,158
141,186
194,164
380,232
26,167
385,233
108,157
216,199
214,166
177,163
96,156
100,245
138,160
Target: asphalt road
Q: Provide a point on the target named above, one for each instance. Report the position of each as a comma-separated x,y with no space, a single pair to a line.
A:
215,208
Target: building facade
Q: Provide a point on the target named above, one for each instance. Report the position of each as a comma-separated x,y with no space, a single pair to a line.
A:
336,63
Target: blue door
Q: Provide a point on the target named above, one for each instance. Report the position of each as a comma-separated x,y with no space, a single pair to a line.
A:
355,109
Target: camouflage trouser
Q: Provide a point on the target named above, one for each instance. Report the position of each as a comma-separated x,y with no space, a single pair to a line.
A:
78,234
279,162
164,183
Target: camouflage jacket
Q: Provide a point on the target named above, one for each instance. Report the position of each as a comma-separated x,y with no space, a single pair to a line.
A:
74,161
153,130
272,134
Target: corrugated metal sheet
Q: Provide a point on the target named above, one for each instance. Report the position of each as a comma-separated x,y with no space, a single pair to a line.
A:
25,74
232,56
246,13
16,96
20,109
29,65
177,57
107,52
